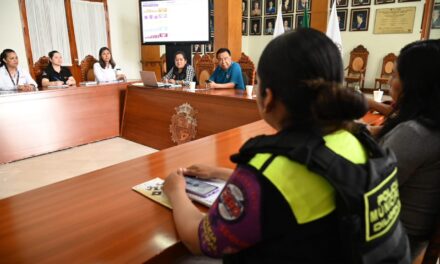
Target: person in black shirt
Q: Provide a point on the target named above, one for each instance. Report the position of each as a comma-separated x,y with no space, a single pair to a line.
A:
55,74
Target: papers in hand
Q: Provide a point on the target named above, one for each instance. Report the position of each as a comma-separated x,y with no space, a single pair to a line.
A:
152,189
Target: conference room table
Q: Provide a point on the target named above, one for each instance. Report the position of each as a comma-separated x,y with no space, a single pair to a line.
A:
98,218
34,123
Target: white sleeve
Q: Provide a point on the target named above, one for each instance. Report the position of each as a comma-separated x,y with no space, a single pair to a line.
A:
99,74
29,79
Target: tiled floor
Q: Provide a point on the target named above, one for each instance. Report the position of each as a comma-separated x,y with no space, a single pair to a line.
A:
32,173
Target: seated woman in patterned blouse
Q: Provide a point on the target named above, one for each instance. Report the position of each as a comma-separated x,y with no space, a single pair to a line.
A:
181,72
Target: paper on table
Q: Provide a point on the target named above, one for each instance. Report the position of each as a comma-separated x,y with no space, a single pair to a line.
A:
152,189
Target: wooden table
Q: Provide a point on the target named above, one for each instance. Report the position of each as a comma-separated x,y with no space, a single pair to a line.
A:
97,218
33,123
148,112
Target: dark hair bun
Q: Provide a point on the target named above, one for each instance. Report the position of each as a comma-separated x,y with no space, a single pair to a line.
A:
335,103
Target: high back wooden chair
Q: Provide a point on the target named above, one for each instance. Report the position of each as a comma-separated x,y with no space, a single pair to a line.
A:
356,69
196,58
204,69
247,68
87,73
163,65
39,68
387,70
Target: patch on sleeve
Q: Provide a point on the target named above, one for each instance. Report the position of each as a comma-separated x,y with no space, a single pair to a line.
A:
207,238
231,203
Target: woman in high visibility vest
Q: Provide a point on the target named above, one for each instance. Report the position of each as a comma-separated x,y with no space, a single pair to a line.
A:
274,209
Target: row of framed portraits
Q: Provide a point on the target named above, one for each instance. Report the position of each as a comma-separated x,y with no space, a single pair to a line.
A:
256,26
256,8
206,48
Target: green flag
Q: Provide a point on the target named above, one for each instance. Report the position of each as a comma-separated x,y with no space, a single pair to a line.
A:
306,18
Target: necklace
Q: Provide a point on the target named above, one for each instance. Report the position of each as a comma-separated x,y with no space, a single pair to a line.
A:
12,79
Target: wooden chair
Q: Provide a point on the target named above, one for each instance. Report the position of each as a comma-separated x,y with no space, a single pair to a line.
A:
357,66
163,65
87,74
204,68
387,70
196,58
39,68
248,68
213,58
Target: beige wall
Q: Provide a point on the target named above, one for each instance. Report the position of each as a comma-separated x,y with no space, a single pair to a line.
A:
124,32
125,35
11,33
377,45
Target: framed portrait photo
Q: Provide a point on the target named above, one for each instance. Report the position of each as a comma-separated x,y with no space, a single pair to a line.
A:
244,27
287,6
404,1
359,19
361,3
299,20
339,3
435,22
255,8
244,8
269,25
342,19
209,47
197,48
255,27
381,2
287,22
271,7
301,4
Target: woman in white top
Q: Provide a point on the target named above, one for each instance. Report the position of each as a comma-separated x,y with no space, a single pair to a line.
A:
11,76
106,70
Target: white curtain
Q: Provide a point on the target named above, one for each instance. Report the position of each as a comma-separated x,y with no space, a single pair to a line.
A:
48,28
90,27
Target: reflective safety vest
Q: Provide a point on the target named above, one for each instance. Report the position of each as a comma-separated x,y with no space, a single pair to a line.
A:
353,179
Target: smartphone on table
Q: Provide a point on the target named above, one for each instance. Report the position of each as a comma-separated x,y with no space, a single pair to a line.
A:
199,187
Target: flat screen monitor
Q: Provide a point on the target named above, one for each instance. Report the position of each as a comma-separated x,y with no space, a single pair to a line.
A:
174,21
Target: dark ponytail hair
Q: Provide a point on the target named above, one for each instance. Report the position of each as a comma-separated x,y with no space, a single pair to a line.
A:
417,66
3,56
304,71
51,54
102,62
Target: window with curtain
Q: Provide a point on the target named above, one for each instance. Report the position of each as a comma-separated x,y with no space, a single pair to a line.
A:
48,28
90,27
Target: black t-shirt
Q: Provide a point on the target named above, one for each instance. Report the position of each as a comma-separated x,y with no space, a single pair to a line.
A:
52,75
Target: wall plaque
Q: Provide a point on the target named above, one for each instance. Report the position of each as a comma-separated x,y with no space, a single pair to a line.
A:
394,20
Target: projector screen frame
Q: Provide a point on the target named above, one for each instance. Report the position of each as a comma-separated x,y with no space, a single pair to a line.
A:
189,42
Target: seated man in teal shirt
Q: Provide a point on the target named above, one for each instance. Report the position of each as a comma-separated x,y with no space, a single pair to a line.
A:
227,74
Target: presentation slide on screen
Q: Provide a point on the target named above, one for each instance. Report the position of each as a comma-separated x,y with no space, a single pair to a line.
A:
175,21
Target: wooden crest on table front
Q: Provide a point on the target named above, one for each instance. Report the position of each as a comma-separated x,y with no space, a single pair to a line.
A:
183,124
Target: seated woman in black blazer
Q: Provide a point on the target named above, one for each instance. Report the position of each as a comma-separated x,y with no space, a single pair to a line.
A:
55,74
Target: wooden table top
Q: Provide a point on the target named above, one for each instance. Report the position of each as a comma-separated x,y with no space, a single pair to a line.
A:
98,218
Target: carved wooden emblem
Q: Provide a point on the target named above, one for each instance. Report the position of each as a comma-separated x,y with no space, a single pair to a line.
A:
183,124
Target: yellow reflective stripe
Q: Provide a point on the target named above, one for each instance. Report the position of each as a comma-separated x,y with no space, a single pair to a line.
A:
346,145
258,160
309,195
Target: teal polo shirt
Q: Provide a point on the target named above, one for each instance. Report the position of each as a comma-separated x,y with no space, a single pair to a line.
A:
231,75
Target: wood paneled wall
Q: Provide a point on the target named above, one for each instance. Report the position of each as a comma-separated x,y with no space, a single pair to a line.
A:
227,26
